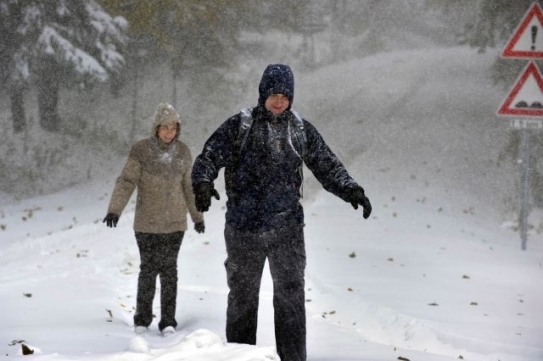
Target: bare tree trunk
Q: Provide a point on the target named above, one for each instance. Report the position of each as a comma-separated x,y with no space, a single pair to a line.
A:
48,95
17,109
174,90
132,134
10,78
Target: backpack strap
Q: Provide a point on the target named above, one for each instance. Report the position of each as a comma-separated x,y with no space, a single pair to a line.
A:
246,122
300,132
245,125
302,141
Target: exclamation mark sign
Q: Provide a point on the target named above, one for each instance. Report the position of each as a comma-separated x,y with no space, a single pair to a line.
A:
534,35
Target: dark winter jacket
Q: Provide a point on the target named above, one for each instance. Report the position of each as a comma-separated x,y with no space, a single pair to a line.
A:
263,184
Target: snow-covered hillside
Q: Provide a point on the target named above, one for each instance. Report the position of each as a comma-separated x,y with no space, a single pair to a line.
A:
435,274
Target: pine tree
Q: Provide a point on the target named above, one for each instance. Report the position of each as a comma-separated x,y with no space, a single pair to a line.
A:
56,41
192,35
485,24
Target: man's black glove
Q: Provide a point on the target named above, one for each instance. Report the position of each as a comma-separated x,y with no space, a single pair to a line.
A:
200,227
202,196
111,220
357,197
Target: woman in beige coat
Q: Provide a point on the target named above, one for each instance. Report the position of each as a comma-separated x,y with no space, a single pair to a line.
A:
160,168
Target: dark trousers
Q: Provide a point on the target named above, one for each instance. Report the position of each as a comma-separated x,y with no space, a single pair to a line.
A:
158,255
247,253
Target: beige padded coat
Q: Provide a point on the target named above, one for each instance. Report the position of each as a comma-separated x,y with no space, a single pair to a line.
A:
161,173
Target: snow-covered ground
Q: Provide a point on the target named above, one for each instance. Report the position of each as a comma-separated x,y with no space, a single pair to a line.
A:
436,273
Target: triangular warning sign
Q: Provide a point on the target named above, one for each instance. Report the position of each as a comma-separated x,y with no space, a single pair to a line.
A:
527,40
526,97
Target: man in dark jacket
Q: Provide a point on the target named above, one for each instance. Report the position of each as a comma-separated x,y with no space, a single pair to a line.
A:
264,217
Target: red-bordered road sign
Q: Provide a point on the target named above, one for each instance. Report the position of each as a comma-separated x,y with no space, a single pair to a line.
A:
526,97
527,40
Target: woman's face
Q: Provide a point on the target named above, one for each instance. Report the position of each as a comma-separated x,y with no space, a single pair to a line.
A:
166,132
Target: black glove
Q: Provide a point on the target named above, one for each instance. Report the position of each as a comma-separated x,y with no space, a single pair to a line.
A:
200,227
357,197
111,220
202,195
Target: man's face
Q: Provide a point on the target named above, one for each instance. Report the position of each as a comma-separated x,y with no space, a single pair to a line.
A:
277,103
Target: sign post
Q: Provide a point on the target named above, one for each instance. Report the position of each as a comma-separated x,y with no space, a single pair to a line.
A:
525,100
525,210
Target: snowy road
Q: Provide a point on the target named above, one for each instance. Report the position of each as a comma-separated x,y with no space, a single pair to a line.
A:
433,275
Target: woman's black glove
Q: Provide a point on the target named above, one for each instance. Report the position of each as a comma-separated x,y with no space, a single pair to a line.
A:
202,196
357,197
111,220
200,227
